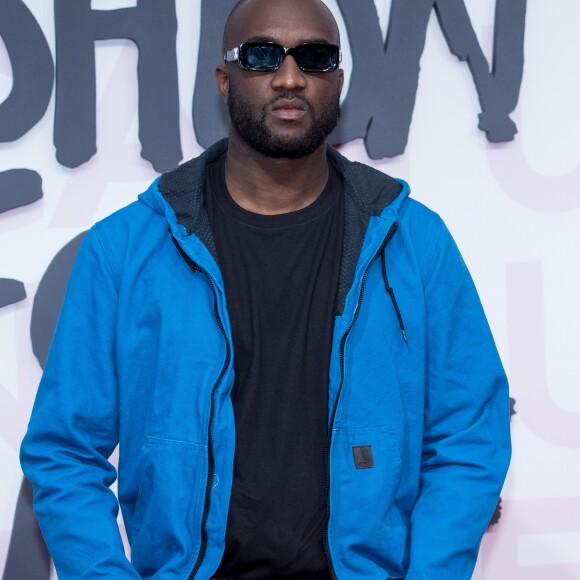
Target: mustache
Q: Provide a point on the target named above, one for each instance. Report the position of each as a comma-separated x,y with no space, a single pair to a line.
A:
288,95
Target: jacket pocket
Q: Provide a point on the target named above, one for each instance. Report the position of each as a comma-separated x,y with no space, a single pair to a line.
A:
366,464
167,520
367,532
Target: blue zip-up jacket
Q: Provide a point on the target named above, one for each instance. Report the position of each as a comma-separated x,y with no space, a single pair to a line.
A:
142,357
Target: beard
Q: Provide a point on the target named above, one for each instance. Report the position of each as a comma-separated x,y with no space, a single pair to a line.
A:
253,129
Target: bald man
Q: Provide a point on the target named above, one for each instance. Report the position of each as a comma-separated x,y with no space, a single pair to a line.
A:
289,351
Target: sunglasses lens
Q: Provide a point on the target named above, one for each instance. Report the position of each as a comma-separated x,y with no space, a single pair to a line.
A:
261,56
316,57
310,57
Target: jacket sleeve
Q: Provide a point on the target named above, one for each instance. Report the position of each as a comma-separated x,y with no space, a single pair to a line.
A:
466,445
74,428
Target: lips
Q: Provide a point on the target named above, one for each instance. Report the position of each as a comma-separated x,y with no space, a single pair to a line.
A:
289,109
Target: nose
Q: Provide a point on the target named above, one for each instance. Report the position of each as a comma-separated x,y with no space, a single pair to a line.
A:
289,76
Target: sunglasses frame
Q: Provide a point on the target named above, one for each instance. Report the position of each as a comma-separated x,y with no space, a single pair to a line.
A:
234,54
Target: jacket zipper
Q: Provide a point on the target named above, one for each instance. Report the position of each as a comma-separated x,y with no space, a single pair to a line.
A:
381,249
210,460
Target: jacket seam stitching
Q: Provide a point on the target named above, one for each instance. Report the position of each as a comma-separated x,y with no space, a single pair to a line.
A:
431,260
107,258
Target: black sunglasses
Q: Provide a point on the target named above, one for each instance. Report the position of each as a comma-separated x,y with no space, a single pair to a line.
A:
313,57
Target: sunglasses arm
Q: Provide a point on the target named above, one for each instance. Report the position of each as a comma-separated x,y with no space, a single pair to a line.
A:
232,54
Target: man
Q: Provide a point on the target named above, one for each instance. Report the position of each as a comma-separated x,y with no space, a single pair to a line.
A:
280,412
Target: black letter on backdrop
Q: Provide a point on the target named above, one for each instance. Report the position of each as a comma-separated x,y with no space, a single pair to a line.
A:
152,25
49,298
210,119
32,71
499,89
19,187
383,86
27,555
11,291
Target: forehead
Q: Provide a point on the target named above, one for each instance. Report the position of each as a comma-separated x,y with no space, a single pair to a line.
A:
289,22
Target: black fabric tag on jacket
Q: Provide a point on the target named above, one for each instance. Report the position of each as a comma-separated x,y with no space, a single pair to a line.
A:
363,456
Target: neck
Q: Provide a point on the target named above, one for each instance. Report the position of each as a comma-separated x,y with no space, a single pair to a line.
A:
273,186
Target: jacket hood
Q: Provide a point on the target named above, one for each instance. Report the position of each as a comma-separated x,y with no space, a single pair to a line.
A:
179,195
183,188
370,189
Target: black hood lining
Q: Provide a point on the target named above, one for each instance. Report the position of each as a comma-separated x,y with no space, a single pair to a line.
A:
367,193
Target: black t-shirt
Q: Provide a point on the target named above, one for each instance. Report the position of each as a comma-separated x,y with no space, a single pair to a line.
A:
281,277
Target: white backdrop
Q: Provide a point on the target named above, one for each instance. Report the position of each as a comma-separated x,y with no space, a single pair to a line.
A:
513,208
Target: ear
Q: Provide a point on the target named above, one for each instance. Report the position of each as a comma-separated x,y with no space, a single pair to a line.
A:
222,79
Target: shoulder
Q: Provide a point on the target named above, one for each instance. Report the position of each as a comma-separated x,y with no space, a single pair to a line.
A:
126,223
425,231
418,218
128,232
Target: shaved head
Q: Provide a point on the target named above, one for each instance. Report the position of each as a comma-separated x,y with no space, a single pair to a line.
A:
231,32
227,30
